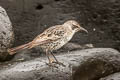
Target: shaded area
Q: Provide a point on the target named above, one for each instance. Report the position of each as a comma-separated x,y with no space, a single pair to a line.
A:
104,17
39,7
99,17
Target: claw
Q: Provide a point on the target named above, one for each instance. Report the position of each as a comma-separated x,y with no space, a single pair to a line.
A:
53,60
59,63
51,65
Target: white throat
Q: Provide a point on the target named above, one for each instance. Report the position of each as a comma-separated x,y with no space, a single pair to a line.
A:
69,31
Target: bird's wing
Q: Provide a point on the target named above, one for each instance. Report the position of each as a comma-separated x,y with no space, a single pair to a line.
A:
51,34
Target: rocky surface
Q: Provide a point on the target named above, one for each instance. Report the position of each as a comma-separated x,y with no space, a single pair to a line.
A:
88,64
6,33
31,17
115,76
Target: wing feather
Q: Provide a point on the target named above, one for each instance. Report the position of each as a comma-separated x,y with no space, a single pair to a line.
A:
50,34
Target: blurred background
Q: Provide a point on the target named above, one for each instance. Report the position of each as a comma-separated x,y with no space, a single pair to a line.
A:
100,17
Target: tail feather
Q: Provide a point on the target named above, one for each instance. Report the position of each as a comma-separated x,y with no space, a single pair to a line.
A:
27,46
19,48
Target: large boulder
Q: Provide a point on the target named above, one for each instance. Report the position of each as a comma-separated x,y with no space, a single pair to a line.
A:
115,76
6,33
88,64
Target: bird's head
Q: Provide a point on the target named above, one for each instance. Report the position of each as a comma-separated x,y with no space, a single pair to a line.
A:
75,26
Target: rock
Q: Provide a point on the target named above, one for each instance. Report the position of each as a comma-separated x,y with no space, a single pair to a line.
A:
74,46
98,64
6,33
88,64
115,76
71,46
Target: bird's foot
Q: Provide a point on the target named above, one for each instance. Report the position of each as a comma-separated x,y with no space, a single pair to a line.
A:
60,63
52,65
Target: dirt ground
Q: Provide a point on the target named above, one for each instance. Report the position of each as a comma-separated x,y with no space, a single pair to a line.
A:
100,17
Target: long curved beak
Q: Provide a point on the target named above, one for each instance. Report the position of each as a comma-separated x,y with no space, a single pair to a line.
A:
83,30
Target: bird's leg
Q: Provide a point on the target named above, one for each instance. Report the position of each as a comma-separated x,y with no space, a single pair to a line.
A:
54,56
56,60
47,54
50,60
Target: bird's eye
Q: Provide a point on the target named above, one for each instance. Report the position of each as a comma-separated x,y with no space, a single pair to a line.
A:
74,27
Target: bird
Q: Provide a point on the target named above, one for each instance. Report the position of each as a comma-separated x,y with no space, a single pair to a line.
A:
52,39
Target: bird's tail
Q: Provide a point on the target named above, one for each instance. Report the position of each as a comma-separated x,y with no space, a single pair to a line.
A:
19,48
